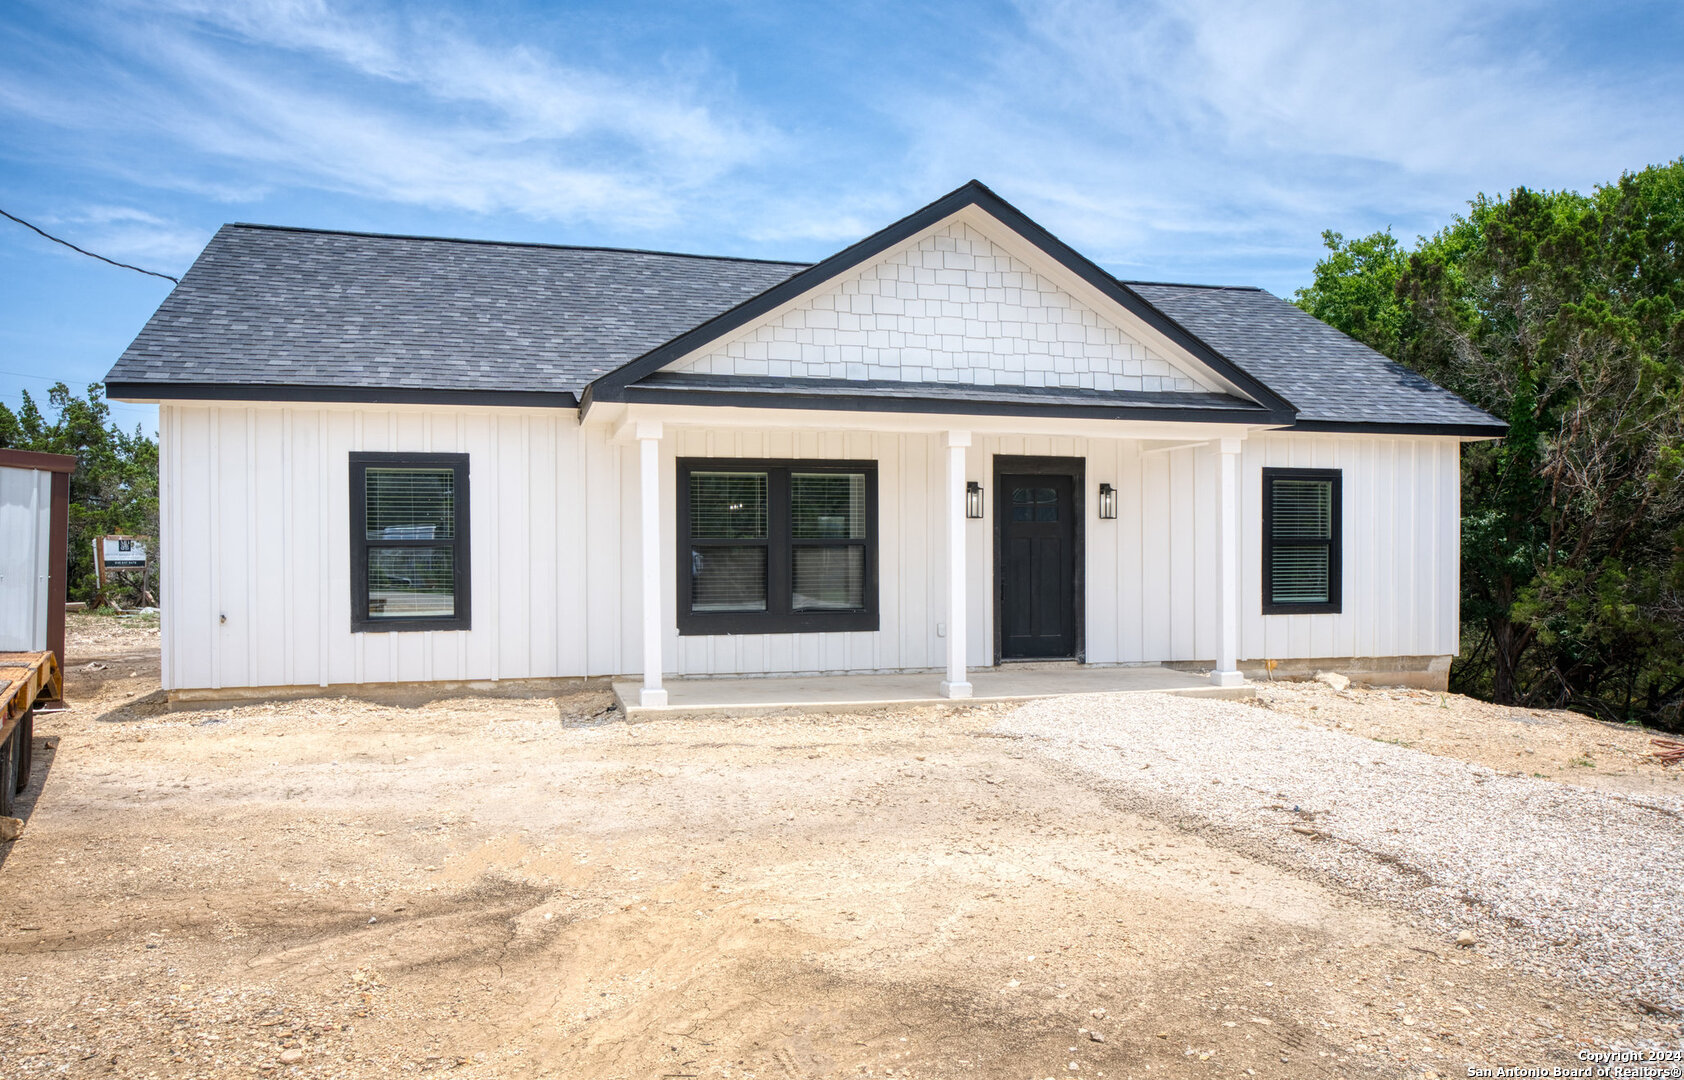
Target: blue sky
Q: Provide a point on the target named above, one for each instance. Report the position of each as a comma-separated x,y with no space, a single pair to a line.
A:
1195,140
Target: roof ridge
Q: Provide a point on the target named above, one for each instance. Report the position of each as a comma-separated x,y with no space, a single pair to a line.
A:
1194,285
507,243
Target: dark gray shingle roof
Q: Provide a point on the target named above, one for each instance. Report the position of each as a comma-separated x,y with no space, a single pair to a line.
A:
305,309
1330,377
296,307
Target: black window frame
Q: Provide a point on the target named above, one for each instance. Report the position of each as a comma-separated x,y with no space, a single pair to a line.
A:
462,576
1335,544
779,616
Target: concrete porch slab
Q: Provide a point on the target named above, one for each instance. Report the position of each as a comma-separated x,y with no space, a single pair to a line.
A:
765,695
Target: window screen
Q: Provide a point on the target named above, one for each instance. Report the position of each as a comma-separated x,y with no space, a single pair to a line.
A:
776,547
409,542
1300,540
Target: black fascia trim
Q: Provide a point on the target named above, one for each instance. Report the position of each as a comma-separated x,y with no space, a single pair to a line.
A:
612,385
1192,285
1334,604
779,545
833,403
1494,430
119,390
462,585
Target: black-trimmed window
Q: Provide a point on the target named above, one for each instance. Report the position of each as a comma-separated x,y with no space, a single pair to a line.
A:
776,547
1301,518
409,542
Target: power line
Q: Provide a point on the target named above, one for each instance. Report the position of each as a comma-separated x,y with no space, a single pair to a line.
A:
51,379
89,254
43,378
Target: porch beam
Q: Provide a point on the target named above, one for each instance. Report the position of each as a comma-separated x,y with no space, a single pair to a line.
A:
1169,448
956,685
648,434
713,417
1227,671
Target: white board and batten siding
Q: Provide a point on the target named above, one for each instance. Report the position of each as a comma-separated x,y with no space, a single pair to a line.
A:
258,496
256,548
1152,572
26,499
257,501
1150,591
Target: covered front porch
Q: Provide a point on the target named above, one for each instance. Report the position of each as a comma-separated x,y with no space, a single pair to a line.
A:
1150,572
763,695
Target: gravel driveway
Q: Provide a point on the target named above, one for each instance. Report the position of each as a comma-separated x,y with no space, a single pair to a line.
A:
1549,877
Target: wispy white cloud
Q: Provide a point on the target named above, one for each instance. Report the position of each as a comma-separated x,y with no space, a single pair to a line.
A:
1203,131
1209,138
528,96
1433,88
161,246
123,233
409,109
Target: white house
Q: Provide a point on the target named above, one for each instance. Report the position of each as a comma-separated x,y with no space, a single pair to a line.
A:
953,445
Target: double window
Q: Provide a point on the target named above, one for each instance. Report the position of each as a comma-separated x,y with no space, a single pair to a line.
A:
409,542
1301,517
768,547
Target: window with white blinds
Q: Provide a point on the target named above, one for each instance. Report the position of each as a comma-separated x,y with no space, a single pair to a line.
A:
776,546
1301,520
409,542
827,541
728,564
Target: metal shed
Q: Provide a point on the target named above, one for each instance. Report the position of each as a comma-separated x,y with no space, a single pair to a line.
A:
34,533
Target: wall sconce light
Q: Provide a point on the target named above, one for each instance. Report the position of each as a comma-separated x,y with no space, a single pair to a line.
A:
1107,502
973,499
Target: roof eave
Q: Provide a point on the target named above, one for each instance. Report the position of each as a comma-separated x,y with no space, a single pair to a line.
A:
146,390
1495,429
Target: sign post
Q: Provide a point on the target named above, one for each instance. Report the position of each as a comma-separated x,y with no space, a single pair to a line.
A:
118,554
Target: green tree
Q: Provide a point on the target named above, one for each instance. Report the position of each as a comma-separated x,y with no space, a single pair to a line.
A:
1355,288
1563,314
115,486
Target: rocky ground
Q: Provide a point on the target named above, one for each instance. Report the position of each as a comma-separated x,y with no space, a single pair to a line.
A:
528,888
1551,877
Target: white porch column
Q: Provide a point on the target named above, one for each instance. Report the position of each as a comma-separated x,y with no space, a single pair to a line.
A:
956,685
649,475
1227,671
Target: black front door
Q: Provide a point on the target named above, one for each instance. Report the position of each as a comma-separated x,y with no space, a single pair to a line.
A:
1037,566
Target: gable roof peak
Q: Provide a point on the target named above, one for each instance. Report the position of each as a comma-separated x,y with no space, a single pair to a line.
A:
611,386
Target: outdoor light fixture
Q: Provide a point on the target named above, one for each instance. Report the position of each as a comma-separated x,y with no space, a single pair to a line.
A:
973,499
1107,502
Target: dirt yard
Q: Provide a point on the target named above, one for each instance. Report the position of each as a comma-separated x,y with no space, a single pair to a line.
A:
492,887
1546,744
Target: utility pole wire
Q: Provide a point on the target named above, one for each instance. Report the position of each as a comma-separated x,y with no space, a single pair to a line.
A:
89,254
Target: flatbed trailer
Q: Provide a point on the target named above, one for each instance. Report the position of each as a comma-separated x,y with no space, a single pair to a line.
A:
27,679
